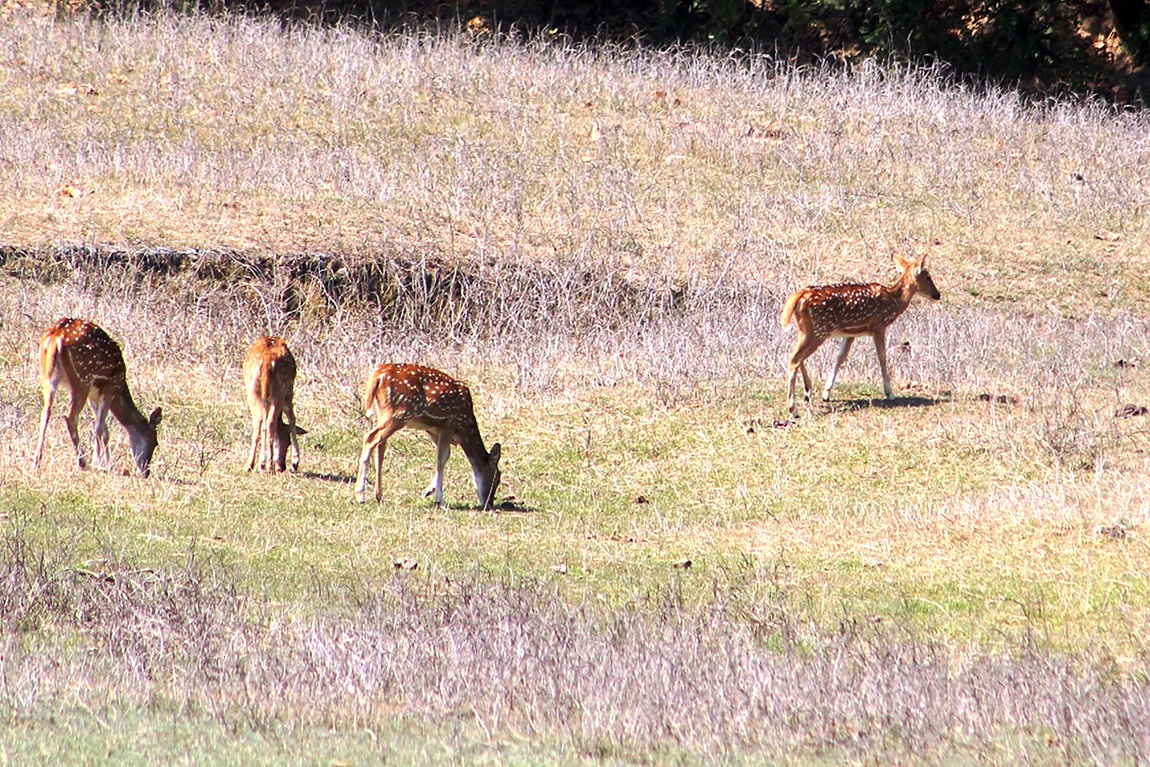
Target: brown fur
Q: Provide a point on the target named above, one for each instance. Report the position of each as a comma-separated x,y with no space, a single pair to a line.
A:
269,381
849,310
424,398
80,355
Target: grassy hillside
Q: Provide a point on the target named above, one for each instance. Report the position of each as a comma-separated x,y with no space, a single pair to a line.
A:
599,241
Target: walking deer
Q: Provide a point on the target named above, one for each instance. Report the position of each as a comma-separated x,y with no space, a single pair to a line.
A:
269,380
426,399
83,357
849,311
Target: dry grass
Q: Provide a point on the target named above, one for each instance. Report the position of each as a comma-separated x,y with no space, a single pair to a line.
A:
738,678
599,241
651,164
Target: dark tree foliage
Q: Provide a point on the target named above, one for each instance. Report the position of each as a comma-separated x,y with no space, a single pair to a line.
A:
1099,47
1132,18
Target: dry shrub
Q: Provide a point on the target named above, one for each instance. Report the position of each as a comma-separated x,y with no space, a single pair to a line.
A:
743,676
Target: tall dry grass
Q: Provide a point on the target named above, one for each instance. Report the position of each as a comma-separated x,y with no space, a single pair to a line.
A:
241,134
740,678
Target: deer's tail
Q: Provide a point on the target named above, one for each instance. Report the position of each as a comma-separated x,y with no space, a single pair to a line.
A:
372,388
50,349
789,308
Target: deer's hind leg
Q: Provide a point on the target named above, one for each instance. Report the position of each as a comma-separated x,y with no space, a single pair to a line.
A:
257,433
103,456
375,440
49,388
270,451
804,347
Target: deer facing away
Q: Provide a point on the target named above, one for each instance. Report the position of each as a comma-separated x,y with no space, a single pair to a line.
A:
848,311
427,399
78,354
269,381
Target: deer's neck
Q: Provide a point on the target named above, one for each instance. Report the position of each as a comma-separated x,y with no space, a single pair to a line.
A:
124,409
899,295
472,443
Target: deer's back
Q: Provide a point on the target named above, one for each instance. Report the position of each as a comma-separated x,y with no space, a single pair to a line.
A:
848,309
91,354
423,397
270,370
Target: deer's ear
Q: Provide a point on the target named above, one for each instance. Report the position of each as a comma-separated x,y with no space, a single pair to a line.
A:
495,454
898,259
154,418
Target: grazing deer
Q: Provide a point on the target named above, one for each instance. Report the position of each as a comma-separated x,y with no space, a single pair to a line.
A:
269,380
424,398
85,358
848,311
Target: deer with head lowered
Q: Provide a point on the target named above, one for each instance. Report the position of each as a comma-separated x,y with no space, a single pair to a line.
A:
269,381
426,399
848,311
78,354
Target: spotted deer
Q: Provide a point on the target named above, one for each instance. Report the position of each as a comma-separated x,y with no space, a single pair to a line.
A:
269,381
78,354
848,311
426,399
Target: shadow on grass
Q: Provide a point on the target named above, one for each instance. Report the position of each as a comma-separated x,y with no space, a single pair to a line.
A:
506,506
325,477
881,403
887,404
855,405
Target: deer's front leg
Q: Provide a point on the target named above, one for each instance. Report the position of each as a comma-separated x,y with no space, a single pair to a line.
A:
100,434
880,349
293,431
442,453
49,395
844,350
